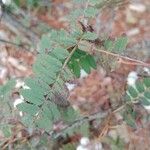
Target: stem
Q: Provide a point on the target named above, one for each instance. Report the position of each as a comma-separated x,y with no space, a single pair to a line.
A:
67,60
79,122
122,58
12,43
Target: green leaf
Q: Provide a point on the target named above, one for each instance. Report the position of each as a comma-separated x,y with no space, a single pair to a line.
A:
45,44
35,86
69,146
140,87
130,121
127,97
49,62
85,64
28,120
94,2
90,12
147,95
67,74
17,2
130,116
75,67
60,53
140,92
146,82
5,89
47,111
80,52
120,44
68,41
80,1
63,39
75,14
6,129
32,2
77,33
91,61
44,122
28,108
84,129
33,96
145,101
44,74
90,36
54,110
70,115
81,60
132,92
108,44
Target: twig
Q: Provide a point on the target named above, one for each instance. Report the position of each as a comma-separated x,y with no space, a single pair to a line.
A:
109,3
79,122
13,140
120,108
9,42
122,58
12,43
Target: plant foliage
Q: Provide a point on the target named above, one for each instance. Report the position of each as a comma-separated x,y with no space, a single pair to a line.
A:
59,60
45,95
140,92
81,60
46,99
117,46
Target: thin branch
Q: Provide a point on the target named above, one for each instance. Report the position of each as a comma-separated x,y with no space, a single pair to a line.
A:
79,122
122,58
119,108
9,42
109,3
13,43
